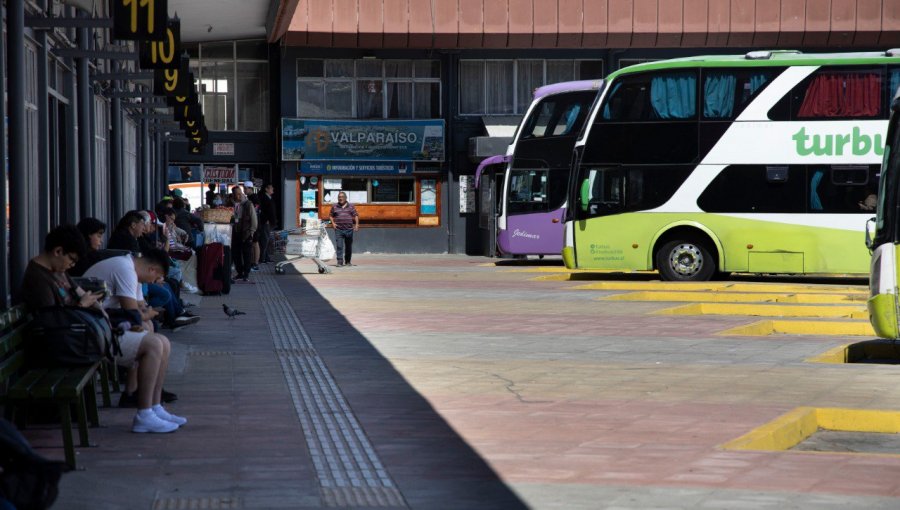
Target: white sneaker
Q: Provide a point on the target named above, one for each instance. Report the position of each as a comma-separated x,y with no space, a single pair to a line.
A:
161,412
190,289
150,422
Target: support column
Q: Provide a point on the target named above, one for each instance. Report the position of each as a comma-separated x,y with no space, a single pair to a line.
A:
146,163
116,189
4,235
85,135
18,180
43,139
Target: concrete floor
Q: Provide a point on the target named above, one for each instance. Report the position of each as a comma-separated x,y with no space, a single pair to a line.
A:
447,382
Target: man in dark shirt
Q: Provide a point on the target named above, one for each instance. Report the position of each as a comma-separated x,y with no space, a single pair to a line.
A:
127,232
345,221
186,221
45,282
267,221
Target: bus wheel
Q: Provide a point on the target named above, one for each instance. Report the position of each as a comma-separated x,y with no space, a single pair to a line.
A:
685,260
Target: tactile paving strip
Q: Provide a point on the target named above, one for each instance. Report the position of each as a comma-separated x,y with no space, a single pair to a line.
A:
349,471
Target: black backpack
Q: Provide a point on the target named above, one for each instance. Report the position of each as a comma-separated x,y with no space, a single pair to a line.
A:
63,336
28,481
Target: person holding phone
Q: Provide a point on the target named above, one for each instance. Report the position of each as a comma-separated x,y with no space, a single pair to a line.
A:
45,278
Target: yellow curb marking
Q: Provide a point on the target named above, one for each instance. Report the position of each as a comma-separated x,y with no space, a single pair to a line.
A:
737,297
725,286
820,328
837,355
853,312
793,427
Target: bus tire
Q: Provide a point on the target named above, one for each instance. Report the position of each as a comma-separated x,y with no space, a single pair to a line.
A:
685,260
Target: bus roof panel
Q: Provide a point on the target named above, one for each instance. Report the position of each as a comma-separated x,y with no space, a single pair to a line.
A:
777,59
567,86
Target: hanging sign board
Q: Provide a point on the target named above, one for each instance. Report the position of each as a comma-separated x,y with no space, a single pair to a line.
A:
164,54
362,140
173,82
139,20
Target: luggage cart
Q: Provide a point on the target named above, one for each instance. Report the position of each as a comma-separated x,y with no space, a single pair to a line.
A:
302,243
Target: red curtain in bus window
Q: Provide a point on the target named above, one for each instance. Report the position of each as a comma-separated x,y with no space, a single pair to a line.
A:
842,95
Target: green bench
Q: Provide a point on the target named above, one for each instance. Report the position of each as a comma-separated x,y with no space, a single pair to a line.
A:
63,387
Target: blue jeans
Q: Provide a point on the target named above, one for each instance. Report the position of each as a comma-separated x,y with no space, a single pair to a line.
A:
343,240
161,295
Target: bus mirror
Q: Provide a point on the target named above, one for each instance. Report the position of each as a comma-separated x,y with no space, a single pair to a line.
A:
585,194
870,234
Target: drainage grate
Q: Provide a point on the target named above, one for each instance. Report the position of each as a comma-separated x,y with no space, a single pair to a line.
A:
211,353
349,471
196,503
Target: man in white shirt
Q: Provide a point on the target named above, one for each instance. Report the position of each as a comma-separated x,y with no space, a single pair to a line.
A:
140,345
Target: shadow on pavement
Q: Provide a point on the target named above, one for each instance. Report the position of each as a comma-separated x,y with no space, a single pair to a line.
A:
430,463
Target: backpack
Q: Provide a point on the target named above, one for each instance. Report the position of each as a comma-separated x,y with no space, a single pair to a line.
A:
69,336
28,481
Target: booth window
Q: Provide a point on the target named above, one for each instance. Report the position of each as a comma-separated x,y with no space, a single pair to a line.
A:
401,201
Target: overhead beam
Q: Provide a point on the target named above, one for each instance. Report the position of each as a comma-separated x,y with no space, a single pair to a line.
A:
140,75
104,54
57,22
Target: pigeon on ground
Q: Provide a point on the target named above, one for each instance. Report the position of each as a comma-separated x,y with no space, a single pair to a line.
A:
231,312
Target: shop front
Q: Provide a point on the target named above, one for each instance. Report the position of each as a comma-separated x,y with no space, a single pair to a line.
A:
392,171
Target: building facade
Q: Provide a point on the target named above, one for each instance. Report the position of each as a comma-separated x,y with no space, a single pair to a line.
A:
393,101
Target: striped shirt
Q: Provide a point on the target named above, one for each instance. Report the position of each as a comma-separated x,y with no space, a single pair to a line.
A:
343,216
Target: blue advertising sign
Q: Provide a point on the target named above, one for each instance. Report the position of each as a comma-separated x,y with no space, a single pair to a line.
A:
362,140
353,167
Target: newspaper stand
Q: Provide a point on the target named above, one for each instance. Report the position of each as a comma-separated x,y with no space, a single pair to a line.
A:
308,242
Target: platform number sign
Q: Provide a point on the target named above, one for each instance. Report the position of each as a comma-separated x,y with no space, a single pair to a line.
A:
173,82
139,20
163,54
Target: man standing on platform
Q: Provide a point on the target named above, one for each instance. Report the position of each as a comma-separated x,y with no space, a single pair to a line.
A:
267,221
345,221
242,233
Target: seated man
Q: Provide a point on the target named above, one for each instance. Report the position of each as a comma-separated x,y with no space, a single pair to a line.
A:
140,345
163,294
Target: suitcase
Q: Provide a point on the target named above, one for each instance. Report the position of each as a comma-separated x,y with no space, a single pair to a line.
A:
214,269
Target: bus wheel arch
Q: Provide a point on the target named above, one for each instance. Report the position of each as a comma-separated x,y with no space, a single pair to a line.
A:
686,253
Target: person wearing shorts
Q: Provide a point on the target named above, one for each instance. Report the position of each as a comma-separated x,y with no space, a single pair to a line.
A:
142,348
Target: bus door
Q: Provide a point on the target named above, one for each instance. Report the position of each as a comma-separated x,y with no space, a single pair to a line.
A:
489,186
882,238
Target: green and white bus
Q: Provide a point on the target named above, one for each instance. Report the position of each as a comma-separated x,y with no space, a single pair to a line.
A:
883,237
763,163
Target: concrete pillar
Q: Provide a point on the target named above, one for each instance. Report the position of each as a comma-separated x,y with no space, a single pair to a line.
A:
18,180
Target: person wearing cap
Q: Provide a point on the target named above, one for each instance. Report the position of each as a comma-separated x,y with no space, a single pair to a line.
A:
165,203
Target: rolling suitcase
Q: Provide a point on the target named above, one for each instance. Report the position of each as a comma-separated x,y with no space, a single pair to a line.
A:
214,271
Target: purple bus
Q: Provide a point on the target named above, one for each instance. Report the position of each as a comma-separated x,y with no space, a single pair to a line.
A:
533,199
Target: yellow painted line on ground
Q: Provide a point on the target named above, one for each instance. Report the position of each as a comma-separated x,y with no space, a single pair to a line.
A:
819,328
576,275
724,286
764,310
837,355
737,297
546,269
793,427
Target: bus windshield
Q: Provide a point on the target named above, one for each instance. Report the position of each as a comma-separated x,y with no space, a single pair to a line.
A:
534,187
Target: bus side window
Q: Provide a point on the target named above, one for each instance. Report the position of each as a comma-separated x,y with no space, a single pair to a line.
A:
842,189
727,91
837,92
756,189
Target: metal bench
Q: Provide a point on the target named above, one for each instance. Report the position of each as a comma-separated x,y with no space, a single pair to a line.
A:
63,387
